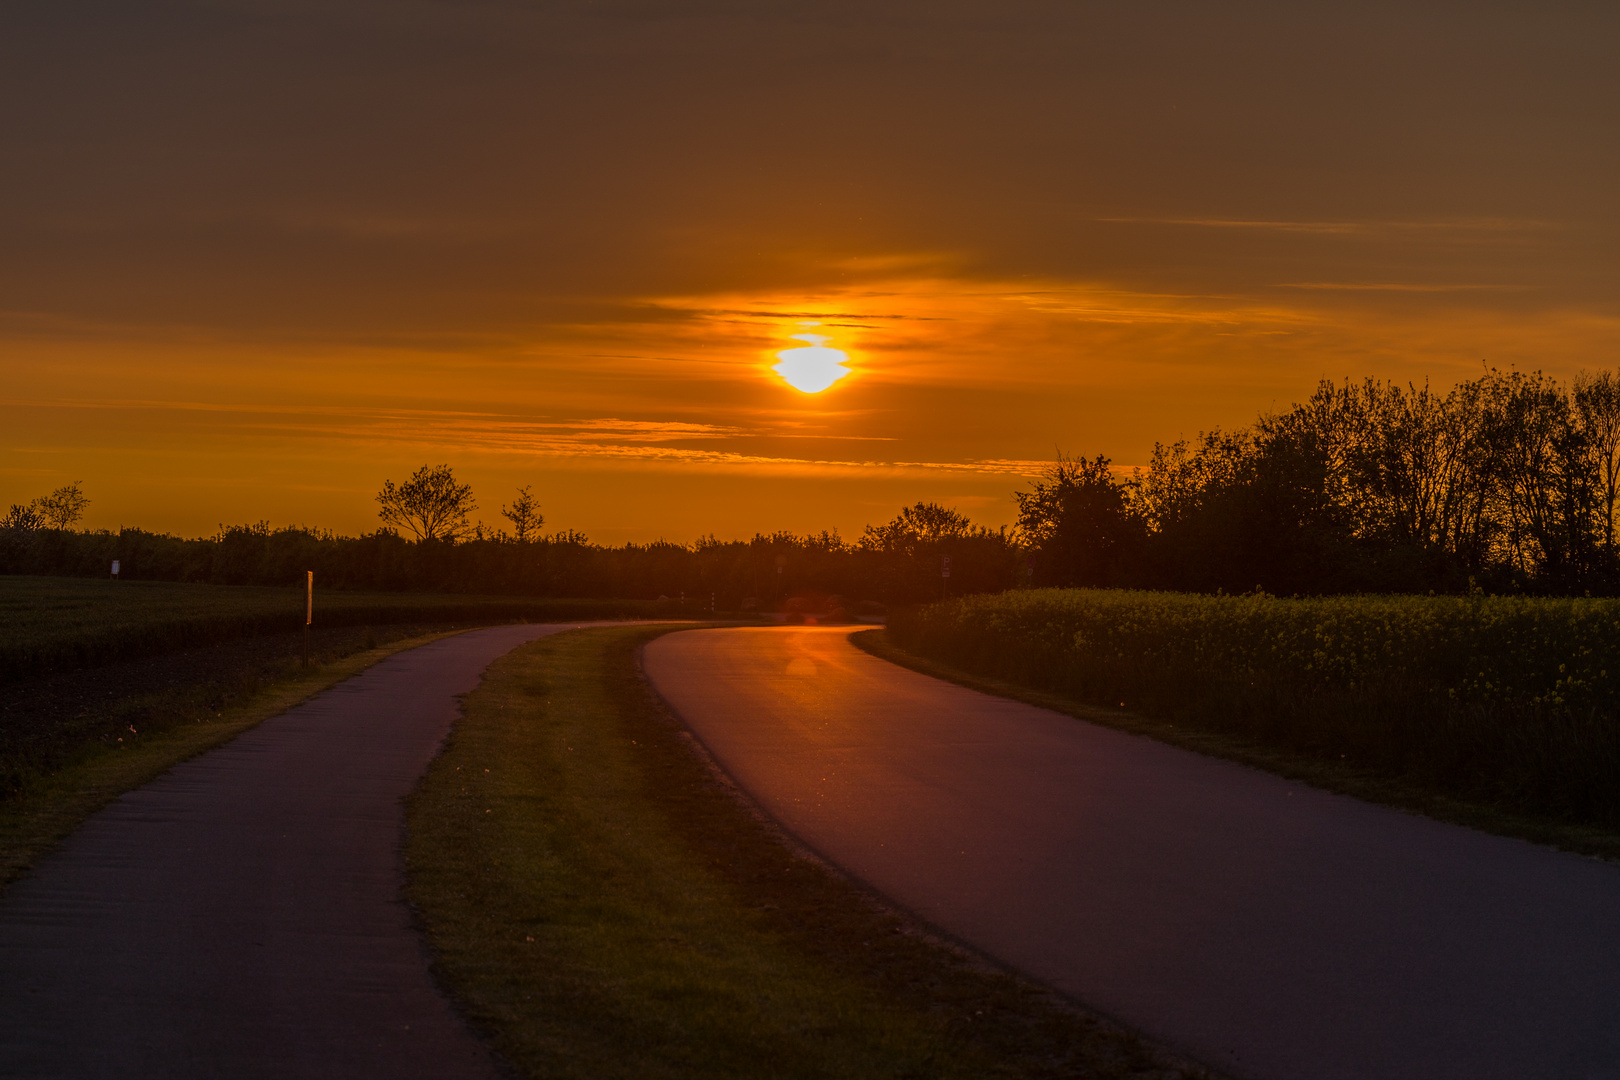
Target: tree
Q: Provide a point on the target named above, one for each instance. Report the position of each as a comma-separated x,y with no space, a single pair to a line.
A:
62,507
924,523
525,516
21,518
431,504
1597,407
1546,482
1179,480
1081,521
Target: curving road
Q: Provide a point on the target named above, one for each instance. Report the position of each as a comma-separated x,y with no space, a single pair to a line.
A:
242,915
1262,926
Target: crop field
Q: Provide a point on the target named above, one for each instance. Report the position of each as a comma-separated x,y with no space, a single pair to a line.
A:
53,624
1509,700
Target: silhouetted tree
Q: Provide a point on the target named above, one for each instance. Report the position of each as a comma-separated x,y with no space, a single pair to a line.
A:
62,508
431,504
525,516
1081,523
924,523
1544,490
1597,410
22,519
1375,486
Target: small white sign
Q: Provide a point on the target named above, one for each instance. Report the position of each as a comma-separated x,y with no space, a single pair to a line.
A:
115,568
945,567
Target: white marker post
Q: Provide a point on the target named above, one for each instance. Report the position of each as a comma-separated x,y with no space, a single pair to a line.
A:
115,570
309,609
945,577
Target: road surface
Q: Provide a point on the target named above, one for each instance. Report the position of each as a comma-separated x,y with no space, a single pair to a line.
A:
241,916
1263,927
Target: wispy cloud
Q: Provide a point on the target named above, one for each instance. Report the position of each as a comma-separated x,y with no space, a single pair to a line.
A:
1398,287
1340,227
1346,228
595,427
647,446
650,444
770,314
604,440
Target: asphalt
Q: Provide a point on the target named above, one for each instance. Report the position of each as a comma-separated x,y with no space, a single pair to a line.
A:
1264,927
242,916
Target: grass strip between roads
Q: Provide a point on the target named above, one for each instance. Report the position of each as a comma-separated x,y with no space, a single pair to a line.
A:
602,904
1345,779
50,807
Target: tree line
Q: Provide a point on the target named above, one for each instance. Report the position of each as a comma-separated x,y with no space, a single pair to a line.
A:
898,562
1507,482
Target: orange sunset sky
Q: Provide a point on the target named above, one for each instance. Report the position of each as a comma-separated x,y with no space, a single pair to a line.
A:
257,257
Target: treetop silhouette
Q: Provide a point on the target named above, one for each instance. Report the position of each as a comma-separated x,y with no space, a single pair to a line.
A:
431,504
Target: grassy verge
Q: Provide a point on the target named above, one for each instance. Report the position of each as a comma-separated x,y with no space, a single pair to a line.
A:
602,905
1503,819
45,808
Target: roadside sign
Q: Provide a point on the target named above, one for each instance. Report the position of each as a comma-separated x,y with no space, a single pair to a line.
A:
309,609
115,568
945,567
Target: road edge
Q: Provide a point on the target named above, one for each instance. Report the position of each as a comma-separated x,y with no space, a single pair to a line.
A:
1166,1055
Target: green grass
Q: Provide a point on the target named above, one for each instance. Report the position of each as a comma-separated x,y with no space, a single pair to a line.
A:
602,906
1506,704
42,809
54,624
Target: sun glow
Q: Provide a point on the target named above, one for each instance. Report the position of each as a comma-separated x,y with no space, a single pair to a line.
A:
811,368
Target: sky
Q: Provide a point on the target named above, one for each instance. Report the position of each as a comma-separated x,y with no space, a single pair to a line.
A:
258,257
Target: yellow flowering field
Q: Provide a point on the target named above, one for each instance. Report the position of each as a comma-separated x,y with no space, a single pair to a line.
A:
1508,697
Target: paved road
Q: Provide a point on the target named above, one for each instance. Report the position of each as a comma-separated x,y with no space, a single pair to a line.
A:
241,916
1264,927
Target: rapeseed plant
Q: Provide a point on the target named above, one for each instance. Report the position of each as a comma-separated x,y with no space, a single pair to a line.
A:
1504,697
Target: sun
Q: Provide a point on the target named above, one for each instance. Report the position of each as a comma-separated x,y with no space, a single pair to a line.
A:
811,368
